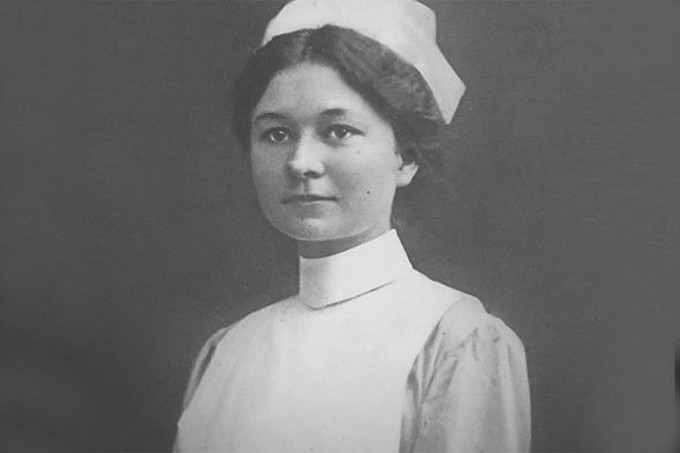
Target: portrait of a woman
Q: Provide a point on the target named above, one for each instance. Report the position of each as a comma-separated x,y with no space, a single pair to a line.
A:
339,109
367,226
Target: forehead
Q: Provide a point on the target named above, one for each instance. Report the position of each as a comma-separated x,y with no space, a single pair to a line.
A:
311,90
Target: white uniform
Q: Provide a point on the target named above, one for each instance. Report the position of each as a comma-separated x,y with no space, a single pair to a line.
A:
370,356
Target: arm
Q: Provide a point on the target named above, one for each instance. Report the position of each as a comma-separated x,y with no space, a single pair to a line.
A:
477,396
200,365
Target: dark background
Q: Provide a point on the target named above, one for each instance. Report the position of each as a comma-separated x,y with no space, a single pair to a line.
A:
129,232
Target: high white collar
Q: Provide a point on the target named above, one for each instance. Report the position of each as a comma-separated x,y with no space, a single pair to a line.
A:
337,278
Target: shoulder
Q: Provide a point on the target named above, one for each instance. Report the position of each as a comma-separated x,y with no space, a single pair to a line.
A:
250,323
481,335
466,322
464,312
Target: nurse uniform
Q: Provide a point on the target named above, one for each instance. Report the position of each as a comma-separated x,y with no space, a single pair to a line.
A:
369,356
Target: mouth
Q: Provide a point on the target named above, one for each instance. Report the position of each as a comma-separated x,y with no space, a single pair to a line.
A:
307,198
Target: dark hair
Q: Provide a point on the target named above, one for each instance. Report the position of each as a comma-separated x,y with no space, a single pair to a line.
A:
394,88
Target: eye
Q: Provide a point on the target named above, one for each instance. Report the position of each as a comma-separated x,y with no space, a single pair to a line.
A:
341,132
276,135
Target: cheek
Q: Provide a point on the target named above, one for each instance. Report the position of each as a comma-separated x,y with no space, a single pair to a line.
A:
370,186
265,171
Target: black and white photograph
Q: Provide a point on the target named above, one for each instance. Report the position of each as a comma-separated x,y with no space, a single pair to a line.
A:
369,226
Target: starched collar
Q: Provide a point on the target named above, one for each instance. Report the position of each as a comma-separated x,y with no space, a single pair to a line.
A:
345,275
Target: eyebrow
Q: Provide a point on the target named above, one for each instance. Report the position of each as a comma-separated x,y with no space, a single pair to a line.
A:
332,112
335,112
269,116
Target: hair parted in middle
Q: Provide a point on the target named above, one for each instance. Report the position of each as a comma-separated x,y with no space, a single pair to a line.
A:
394,88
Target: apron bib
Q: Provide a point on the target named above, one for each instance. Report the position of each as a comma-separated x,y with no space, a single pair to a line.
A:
293,379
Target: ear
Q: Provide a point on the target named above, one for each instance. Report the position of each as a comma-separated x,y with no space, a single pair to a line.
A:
406,172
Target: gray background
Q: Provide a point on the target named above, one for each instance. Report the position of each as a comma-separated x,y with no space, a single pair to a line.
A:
129,231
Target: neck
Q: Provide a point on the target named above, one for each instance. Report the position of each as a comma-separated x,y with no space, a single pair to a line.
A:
320,249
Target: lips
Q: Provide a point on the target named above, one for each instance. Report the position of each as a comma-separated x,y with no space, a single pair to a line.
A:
307,198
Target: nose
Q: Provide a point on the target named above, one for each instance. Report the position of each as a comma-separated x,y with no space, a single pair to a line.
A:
306,159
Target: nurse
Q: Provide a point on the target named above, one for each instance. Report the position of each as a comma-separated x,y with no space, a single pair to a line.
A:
339,108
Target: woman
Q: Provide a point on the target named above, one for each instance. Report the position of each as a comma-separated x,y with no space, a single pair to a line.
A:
339,109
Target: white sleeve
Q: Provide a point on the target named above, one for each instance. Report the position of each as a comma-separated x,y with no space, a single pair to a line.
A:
478,398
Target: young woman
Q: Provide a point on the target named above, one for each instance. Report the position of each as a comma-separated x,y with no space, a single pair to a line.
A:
339,109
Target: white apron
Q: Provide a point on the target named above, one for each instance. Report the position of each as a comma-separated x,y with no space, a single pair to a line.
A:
311,374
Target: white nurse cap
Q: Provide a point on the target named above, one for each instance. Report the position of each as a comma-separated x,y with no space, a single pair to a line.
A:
406,27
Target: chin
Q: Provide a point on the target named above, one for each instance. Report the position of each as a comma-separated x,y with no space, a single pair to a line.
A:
312,230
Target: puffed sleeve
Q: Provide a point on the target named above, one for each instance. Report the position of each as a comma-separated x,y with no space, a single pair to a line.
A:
473,395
